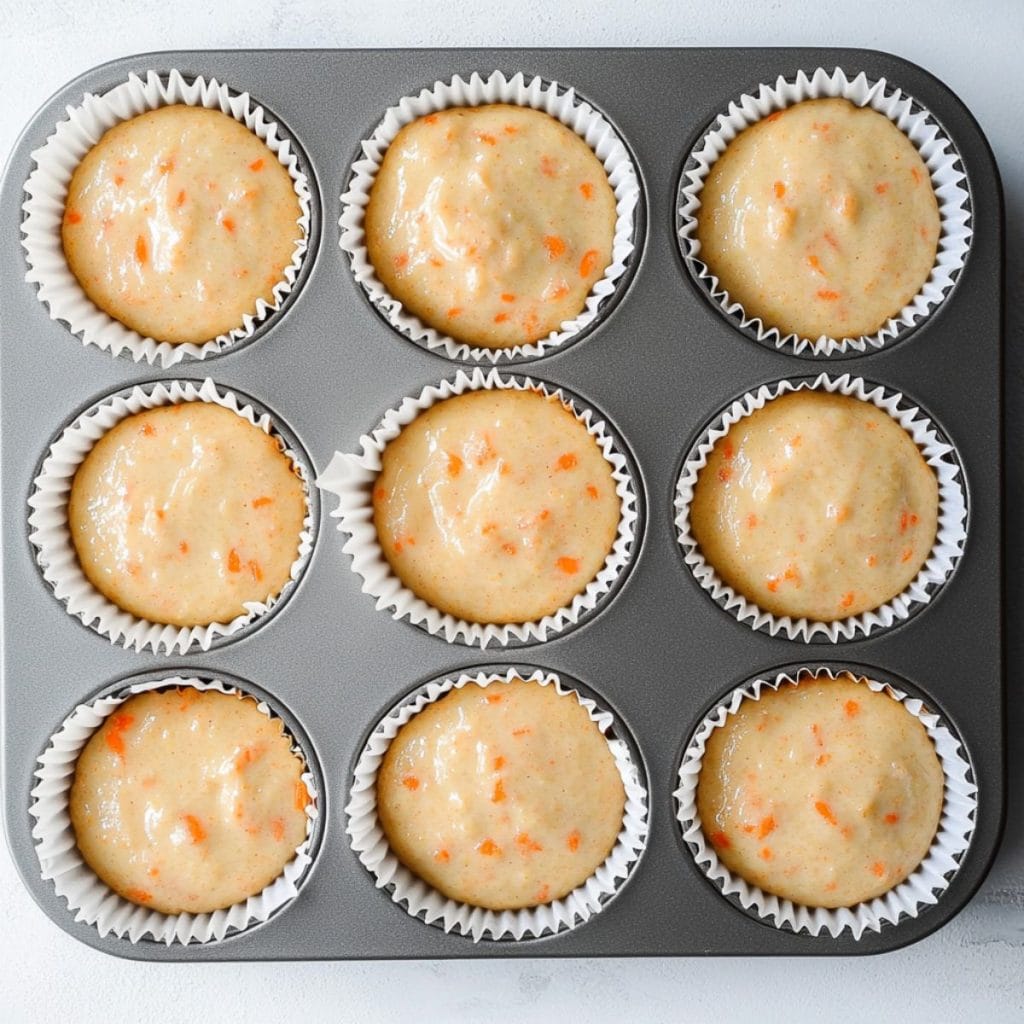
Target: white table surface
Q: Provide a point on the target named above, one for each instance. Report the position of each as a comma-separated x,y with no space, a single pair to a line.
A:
972,970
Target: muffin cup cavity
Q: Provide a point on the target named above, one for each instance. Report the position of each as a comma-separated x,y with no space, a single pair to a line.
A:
350,478
92,900
47,187
922,888
51,536
561,103
427,904
950,537
937,151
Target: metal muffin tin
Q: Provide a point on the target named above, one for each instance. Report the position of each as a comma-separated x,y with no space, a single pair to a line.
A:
659,365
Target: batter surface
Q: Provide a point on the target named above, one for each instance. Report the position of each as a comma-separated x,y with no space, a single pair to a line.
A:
817,505
183,513
496,506
820,219
177,221
504,796
490,223
188,800
825,793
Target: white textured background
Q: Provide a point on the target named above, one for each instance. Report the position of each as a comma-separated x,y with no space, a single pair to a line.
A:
973,970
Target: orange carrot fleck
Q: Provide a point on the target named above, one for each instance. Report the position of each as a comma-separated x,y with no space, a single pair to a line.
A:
141,249
780,190
234,562
766,827
554,245
454,312
827,294
544,515
908,554
725,474
153,872
442,856
499,792
825,811
509,548
454,464
522,731
721,840
766,853
878,869
255,570
774,117
526,844
379,494
587,190
400,260
507,297
73,217
510,129
847,599
301,796
851,708
277,828
489,140
195,828
180,201
568,565
891,818
543,894
499,763
488,528
118,724
573,842
548,166
430,119
256,165
261,501
166,166
148,429
728,451
119,180
494,698
916,175
831,239
500,318
588,262
567,461
138,895
183,547
751,521
228,224
831,887
772,584
592,491
882,187
823,759
489,848
411,782
815,264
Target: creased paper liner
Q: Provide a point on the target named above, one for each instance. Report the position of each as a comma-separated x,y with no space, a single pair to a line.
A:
89,898
51,536
937,152
951,532
427,904
566,107
923,887
47,187
350,477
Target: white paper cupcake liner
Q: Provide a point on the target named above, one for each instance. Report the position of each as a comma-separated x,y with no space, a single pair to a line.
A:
427,904
937,151
951,532
923,887
47,187
567,107
51,536
350,478
92,900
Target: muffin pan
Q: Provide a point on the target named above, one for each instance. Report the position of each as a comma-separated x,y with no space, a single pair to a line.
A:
659,364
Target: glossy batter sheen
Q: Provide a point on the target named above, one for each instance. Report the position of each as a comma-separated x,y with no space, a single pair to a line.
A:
818,506
184,513
820,219
825,793
188,801
504,796
496,506
491,223
177,221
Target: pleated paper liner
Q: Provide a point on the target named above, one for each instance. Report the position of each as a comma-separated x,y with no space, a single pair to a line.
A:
91,900
350,478
427,904
937,151
563,104
922,888
50,533
47,186
951,533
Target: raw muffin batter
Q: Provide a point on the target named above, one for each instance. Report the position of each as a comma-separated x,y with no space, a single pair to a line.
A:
825,793
184,513
817,505
820,219
496,506
177,221
188,800
490,223
504,796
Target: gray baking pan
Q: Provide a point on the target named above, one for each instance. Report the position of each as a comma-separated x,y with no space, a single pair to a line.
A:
659,366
